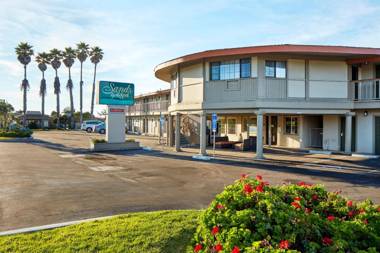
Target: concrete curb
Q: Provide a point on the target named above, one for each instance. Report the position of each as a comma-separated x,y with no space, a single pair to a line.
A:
52,226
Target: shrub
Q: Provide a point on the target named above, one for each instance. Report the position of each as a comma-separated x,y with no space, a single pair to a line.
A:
251,216
98,140
16,133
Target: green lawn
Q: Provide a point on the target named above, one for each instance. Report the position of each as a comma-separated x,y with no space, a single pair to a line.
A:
162,231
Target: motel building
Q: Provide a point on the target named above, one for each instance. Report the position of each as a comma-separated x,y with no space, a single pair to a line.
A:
291,96
144,116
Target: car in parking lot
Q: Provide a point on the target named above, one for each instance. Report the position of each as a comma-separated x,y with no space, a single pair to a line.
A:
100,128
88,125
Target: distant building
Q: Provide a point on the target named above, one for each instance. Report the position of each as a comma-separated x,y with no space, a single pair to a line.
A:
144,116
34,118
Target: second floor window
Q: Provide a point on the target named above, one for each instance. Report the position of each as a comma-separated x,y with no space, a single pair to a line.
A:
275,69
227,70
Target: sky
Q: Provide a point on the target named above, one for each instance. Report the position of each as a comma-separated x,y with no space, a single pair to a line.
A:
138,35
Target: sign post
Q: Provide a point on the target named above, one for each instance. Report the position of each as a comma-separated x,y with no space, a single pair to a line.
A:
116,96
214,126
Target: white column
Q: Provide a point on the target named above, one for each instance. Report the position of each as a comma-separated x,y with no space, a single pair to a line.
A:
202,133
269,130
259,142
177,132
348,133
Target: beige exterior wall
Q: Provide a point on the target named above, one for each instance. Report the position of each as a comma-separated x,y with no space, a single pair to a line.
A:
365,132
296,78
328,79
191,84
288,140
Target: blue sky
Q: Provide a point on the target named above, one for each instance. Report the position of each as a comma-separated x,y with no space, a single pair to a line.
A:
138,35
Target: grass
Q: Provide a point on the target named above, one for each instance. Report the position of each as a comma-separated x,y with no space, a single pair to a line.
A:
6,138
162,231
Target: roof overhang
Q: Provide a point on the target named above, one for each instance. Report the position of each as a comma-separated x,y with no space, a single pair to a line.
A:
163,71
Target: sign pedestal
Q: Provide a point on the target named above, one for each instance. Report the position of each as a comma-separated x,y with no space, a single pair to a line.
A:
115,122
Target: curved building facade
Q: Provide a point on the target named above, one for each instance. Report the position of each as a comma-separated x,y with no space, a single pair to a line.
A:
294,96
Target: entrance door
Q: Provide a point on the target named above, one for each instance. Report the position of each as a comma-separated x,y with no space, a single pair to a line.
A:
377,135
274,130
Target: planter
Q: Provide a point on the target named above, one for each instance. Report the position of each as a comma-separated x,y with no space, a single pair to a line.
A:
114,146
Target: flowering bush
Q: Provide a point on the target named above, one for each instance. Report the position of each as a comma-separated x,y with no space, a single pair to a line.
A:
251,216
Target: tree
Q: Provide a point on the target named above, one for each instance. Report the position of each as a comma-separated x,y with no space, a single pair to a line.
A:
96,55
82,54
24,52
56,56
69,55
5,112
43,59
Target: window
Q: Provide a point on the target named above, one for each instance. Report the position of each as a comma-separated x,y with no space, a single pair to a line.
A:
245,68
222,125
215,70
173,83
291,125
275,69
231,126
354,73
228,70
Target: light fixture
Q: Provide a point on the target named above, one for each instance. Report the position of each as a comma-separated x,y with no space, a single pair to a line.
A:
365,113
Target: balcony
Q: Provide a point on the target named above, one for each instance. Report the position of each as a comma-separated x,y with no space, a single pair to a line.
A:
365,90
149,107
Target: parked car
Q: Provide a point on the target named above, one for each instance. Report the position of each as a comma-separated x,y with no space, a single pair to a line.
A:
88,125
100,128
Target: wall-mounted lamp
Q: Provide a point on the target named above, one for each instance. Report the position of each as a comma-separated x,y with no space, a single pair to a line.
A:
365,113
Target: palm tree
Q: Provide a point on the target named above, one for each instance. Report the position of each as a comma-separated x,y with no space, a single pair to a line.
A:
82,54
24,52
55,57
69,55
96,55
43,59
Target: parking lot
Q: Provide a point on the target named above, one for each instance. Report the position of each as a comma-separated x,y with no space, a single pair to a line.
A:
54,178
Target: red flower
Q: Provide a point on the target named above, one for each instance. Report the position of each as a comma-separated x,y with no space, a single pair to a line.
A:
219,206
302,183
297,199
365,221
197,248
248,188
259,178
315,197
243,176
296,205
349,203
265,183
215,230
361,211
308,210
331,217
284,244
259,188
378,209
327,240
218,247
351,213
235,250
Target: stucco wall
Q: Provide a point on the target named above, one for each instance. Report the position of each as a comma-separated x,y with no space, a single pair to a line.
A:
365,138
288,140
328,79
191,84
331,133
296,78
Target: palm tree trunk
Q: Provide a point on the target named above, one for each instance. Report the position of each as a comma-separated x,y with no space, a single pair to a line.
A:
43,104
24,100
58,110
81,94
72,125
93,93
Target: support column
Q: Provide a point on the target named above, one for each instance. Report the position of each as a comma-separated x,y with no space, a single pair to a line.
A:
202,133
259,141
269,130
170,133
348,133
167,130
177,132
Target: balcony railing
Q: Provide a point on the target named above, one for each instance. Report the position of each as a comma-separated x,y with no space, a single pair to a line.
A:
159,106
368,89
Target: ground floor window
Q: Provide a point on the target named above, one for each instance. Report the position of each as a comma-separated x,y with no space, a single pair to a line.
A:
222,126
291,125
231,126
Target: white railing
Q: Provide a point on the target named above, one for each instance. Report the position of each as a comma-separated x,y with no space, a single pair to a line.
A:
368,89
159,106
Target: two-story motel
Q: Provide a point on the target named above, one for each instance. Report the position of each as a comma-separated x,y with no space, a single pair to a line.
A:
297,96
